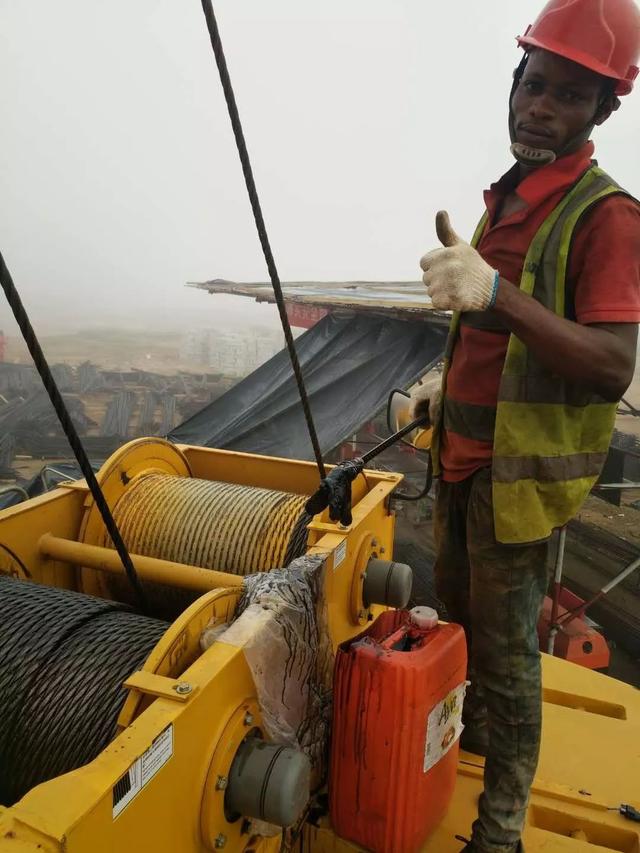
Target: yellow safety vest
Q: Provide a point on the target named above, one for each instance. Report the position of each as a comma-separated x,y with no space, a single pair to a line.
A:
550,436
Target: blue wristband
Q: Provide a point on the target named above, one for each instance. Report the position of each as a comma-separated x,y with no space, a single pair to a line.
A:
494,292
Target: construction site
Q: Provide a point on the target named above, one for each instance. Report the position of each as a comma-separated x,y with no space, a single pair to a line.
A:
344,563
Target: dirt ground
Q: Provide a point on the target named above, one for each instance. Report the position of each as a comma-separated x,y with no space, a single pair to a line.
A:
623,521
111,349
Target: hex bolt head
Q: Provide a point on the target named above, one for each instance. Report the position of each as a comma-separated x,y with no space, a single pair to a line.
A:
183,688
221,784
220,841
248,719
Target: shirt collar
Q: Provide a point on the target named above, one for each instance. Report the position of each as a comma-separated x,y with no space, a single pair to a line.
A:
542,182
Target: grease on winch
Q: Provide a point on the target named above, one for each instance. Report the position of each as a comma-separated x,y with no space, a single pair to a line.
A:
280,626
335,492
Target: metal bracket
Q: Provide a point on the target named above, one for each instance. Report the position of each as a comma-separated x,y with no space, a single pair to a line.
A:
159,685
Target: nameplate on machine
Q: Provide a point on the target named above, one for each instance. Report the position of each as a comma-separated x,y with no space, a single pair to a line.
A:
142,770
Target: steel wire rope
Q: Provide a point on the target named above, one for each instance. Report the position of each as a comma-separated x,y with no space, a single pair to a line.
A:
60,407
63,659
247,171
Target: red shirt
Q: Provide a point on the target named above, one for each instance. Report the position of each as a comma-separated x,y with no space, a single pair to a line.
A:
603,275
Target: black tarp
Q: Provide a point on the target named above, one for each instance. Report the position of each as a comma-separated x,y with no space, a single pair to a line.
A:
350,364
48,478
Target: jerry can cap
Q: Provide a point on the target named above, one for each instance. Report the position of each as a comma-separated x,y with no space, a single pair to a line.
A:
425,618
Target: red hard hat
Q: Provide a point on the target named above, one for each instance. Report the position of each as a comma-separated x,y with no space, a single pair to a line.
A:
603,35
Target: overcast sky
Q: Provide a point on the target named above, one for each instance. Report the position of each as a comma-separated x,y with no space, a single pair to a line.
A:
119,179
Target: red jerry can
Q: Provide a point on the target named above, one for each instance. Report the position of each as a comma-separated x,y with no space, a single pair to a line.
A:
397,717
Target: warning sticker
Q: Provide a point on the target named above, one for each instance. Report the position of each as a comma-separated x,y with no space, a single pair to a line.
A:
444,726
339,554
142,770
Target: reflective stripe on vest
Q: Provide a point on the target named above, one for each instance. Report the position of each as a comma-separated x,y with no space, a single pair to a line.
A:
550,436
469,419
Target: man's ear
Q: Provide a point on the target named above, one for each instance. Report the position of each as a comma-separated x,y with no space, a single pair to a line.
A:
607,106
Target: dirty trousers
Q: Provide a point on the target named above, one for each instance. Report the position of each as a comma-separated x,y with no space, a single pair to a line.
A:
495,592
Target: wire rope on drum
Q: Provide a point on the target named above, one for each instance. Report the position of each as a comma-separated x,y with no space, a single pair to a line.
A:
63,659
214,525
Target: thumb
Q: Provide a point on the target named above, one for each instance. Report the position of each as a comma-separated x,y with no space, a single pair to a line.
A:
445,232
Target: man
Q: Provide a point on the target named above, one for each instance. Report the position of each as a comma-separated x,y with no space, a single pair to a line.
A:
542,345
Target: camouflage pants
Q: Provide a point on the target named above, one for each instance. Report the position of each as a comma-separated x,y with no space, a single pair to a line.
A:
495,592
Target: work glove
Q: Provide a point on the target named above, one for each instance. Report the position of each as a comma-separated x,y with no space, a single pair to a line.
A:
335,492
426,400
457,278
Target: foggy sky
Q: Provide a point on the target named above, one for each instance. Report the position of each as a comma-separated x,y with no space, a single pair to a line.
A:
119,179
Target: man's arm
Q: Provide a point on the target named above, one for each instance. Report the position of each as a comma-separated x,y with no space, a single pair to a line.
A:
601,356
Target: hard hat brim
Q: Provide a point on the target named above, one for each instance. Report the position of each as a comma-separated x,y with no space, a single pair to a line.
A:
624,86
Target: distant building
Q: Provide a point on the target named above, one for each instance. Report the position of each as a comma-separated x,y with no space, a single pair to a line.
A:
231,353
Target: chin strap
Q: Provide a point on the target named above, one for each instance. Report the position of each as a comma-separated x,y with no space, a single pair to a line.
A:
529,156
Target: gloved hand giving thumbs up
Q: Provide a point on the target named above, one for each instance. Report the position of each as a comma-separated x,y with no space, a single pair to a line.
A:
457,278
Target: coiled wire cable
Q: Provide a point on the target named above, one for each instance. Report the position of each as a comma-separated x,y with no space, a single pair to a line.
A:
63,659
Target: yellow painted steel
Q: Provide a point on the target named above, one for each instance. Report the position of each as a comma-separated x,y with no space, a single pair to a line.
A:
74,813
152,569
591,723
68,513
58,512
52,815
164,512
180,646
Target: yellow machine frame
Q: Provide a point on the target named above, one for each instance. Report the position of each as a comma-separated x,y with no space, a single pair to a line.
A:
201,705
206,699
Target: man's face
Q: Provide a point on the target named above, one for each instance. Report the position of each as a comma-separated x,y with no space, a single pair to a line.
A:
556,103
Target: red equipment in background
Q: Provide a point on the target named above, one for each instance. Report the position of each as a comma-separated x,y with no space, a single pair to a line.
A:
578,640
563,630
304,316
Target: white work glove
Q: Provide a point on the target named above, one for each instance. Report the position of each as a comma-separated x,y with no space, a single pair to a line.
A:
457,278
426,399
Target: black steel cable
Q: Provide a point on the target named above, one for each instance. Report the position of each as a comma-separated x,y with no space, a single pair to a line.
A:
297,545
243,153
19,312
63,659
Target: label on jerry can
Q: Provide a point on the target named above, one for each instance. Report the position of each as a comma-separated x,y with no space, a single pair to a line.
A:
444,726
